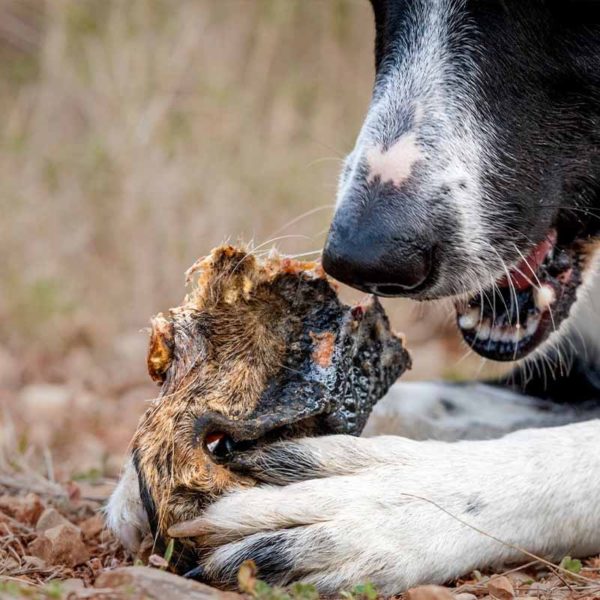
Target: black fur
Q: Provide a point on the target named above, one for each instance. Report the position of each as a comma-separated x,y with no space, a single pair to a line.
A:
145,495
578,384
270,552
528,72
540,82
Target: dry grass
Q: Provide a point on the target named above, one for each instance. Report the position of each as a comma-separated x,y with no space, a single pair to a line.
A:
136,137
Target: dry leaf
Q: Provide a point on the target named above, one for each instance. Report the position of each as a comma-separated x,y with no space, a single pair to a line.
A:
501,588
158,561
247,577
429,592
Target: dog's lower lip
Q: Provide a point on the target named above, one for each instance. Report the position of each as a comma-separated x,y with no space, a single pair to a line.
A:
509,342
514,316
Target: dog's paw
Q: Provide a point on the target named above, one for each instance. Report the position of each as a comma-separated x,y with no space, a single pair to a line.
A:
124,512
350,510
337,511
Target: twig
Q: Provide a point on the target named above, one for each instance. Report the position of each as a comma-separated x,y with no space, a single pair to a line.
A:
507,544
14,484
480,585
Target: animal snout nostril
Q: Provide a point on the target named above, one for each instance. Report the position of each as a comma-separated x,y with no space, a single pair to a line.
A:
219,445
389,290
411,266
221,437
385,268
212,434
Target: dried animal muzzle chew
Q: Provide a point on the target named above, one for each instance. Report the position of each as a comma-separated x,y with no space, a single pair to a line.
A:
258,351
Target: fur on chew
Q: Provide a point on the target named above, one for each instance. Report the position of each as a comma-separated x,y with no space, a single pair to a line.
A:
259,351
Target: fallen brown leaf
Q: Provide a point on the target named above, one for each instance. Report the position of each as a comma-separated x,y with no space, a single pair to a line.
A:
501,588
429,592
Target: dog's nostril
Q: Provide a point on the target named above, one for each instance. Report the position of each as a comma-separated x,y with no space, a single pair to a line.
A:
388,290
409,269
394,268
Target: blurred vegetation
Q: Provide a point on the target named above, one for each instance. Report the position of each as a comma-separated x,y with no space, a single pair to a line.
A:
138,134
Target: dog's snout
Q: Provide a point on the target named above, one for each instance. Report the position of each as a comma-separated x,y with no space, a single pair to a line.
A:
369,262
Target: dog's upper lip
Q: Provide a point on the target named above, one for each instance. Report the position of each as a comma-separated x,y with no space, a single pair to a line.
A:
523,274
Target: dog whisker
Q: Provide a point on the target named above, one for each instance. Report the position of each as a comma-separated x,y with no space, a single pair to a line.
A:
304,215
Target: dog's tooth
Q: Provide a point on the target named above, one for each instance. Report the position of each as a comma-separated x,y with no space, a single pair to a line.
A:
496,333
519,333
532,325
483,333
543,297
508,335
469,319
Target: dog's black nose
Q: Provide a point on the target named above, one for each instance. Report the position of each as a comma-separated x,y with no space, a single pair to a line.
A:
371,262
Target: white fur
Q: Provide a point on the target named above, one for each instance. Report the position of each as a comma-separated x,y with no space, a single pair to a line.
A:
125,514
399,512
394,164
449,412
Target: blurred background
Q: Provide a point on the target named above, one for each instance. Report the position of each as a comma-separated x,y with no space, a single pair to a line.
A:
136,135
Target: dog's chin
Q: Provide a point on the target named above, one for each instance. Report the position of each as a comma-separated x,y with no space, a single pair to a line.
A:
518,312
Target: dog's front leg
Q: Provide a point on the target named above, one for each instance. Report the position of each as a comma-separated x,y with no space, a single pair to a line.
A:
342,510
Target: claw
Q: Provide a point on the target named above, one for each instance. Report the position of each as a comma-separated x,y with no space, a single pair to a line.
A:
196,573
192,528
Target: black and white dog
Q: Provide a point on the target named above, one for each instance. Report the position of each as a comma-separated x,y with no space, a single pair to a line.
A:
476,176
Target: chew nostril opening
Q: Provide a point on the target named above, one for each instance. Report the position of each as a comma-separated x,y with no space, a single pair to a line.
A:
219,445
221,437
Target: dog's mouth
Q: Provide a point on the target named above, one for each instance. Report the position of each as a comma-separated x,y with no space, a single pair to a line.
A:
519,311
